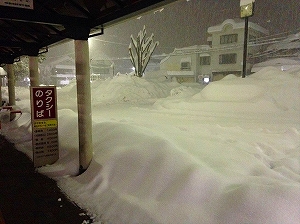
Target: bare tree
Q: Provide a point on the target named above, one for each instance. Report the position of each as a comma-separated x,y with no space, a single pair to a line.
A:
140,51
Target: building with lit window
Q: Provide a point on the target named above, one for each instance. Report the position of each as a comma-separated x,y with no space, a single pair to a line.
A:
222,55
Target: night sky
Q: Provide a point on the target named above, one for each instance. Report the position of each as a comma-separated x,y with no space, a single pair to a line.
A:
184,23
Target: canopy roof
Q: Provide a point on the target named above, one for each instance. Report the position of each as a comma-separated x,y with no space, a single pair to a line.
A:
28,27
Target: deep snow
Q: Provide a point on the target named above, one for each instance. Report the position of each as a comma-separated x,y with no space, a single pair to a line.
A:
171,153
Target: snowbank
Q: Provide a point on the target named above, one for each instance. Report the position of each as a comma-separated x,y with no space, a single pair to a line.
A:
169,153
269,90
123,89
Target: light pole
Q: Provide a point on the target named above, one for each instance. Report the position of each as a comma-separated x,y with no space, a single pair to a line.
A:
247,10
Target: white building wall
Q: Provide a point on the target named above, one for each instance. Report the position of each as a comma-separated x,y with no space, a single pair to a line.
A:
228,27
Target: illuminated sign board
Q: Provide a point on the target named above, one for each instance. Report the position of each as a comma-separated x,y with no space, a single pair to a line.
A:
44,125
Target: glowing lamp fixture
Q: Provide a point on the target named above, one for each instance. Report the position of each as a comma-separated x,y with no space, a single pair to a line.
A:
247,8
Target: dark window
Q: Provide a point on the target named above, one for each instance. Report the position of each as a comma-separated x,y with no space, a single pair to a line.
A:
227,39
100,70
252,38
185,65
227,58
205,60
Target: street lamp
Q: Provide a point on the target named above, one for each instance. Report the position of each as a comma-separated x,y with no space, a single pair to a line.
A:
247,10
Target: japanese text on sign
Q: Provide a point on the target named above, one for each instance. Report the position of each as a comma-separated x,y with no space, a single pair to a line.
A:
44,103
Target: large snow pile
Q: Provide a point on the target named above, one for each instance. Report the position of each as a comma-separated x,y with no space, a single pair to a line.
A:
269,90
229,153
123,89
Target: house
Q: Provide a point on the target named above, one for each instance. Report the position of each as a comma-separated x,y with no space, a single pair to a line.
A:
184,63
101,69
222,55
63,70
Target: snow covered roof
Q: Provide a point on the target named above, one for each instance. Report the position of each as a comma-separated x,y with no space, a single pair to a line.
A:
291,42
236,24
180,73
191,49
283,64
63,60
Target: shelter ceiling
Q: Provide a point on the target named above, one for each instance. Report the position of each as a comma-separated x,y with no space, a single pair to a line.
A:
29,31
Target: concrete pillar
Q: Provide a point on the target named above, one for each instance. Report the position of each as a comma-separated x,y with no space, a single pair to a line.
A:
11,84
34,71
1,90
83,104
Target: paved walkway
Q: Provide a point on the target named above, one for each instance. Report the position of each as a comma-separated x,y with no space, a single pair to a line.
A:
27,197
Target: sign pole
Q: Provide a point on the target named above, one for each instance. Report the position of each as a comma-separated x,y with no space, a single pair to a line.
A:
245,48
247,10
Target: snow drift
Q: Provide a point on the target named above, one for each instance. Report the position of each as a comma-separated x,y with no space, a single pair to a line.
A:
168,153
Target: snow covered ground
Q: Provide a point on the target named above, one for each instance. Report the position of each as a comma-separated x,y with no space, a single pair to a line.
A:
171,153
